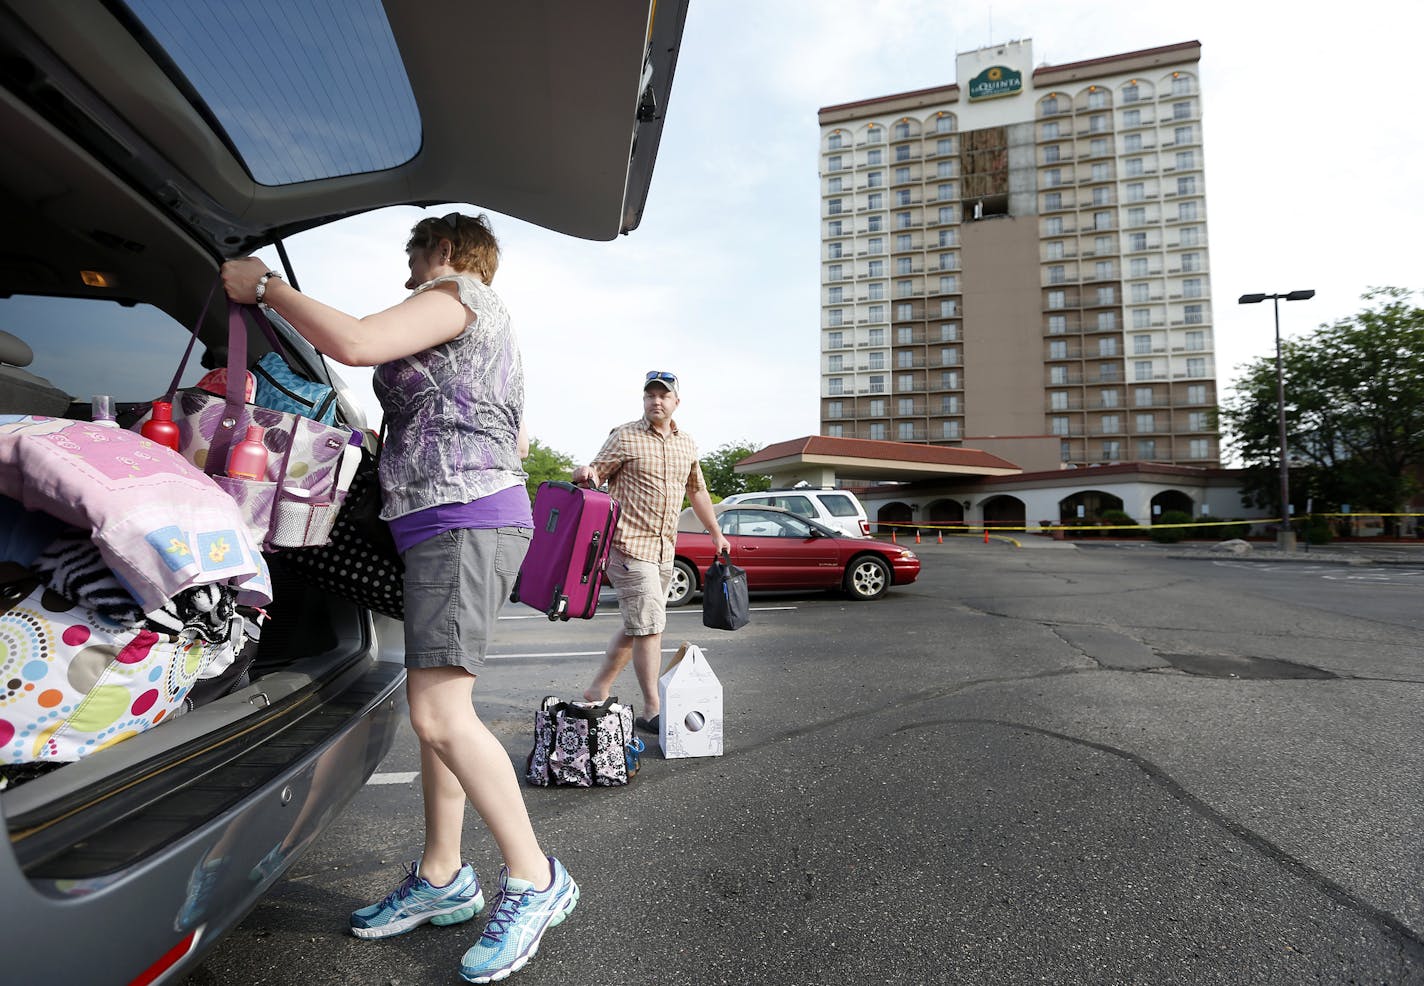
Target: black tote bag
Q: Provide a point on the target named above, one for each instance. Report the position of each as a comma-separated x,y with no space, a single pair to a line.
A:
724,596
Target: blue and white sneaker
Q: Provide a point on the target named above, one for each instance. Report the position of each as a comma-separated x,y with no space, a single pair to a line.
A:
518,919
416,901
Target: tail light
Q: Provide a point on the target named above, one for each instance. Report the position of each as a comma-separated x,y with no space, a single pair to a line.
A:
865,528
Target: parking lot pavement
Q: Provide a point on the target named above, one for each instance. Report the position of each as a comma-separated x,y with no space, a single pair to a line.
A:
999,774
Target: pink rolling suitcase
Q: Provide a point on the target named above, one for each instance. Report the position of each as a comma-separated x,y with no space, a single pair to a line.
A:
563,570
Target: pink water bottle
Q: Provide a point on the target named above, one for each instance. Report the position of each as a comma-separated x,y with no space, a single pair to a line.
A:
160,428
248,459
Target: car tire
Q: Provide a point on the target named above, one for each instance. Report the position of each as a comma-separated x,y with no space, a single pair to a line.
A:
683,584
867,577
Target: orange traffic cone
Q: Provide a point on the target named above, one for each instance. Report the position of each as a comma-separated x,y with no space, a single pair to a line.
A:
986,535
917,535
893,539
941,537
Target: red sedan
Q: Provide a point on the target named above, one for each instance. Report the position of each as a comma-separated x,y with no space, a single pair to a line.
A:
780,550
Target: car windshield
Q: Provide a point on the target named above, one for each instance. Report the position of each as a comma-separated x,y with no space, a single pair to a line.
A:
839,505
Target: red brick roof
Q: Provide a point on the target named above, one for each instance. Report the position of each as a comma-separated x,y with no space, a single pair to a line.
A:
865,448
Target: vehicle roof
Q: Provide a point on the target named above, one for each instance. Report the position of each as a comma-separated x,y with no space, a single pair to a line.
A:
528,109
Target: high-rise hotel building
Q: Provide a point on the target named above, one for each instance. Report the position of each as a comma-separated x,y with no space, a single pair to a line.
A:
1023,259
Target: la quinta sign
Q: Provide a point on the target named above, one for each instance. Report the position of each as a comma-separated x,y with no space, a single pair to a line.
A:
995,81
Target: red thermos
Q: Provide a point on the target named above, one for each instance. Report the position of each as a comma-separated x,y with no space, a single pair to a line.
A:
160,428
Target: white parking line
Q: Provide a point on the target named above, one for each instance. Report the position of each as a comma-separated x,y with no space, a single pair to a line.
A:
402,777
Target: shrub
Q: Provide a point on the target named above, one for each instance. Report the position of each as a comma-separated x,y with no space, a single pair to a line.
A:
1110,521
1213,528
1317,530
1170,535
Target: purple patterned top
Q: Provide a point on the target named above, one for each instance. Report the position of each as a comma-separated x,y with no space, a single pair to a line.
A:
453,411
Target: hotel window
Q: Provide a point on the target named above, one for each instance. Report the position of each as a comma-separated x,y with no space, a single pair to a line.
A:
1182,111
902,196
1191,262
1196,421
1051,153
1137,267
1142,396
1098,147
1097,123
1054,250
835,207
948,238
1109,397
948,261
904,336
1102,270
1057,299
902,221
902,131
835,431
1147,448
1053,177
945,145
902,241
1196,367
1137,216
949,333
834,365
1187,185
1186,160
1132,143
1142,370
877,313
834,185
1111,424
902,154
949,356
906,431
874,135
946,214
876,291
903,289
1058,375
1058,349
1192,287
875,200
1136,192
1140,294
833,296
1065,451
1102,220
1182,135
1181,85
1057,325
903,266
1102,196
1050,104
1052,201
906,406
1097,99
1133,167
835,386
1132,118
1107,322
877,360
945,169
1107,347
945,192
1141,318
877,337
948,308
948,284
1196,393
1192,314
944,124
949,379
835,409
833,228
906,382
1136,241
1058,424
876,268
877,386
1053,226
834,143
877,431
1050,130
835,317
1056,274
1191,236
951,429
1146,423
835,340
877,407
949,405
1107,296
1141,345
904,312
1130,93
834,272
874,224
1058,400
1198,448
1112,451
834,164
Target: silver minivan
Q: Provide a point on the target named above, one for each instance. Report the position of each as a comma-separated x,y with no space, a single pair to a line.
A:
146,142
839,510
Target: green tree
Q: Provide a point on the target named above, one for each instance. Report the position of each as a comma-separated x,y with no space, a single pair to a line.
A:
722,480
545,465
1354,409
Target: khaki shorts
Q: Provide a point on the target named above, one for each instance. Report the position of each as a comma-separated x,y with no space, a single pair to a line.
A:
642,592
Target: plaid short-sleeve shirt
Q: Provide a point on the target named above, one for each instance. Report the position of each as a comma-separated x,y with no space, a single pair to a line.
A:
648,474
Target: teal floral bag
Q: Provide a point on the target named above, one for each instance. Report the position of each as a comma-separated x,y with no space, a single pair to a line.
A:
280,388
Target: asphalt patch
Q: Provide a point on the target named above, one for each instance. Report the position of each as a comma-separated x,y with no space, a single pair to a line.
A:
1236,666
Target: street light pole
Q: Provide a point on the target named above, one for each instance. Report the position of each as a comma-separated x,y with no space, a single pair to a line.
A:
1285,537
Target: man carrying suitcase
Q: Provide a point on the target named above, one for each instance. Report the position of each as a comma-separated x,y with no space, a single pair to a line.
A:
648,465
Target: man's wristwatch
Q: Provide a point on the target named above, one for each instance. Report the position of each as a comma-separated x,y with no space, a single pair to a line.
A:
262,285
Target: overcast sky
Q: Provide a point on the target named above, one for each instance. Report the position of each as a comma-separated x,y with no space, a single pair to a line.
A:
1312,174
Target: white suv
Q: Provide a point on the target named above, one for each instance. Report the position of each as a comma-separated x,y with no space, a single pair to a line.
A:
836,509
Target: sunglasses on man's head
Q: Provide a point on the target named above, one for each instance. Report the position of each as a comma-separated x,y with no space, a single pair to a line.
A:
452,220
661,375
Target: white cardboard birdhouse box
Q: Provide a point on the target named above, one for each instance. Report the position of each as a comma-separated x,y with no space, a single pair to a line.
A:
690,723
